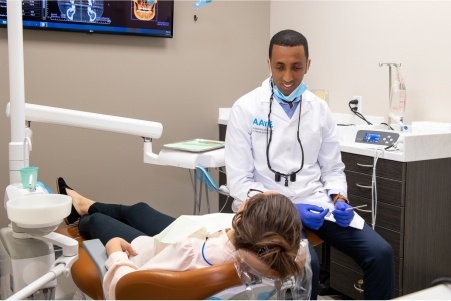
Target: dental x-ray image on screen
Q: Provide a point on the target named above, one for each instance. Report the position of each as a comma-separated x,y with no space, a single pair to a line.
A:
132,17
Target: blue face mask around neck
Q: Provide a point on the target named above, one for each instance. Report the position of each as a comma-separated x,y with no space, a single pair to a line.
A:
295,94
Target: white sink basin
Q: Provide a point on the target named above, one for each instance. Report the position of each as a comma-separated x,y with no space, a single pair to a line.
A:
39,210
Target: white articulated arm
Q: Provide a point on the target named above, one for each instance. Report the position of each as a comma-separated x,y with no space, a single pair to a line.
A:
147,129
149,156
88,120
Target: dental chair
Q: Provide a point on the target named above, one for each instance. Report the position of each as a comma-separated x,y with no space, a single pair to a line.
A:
150,284
154,284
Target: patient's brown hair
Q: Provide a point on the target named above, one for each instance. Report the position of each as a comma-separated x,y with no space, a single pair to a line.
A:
269,226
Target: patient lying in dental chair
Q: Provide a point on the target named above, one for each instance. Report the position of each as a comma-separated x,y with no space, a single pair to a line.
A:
263,239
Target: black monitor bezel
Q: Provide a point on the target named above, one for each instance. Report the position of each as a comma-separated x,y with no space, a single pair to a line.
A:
68,26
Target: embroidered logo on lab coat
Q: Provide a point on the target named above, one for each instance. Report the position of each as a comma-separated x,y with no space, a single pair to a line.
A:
261,123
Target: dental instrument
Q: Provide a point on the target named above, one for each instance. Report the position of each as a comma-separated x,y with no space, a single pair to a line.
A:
349,208
355,207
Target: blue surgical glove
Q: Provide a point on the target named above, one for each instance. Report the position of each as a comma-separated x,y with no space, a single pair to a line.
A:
312,216
342,215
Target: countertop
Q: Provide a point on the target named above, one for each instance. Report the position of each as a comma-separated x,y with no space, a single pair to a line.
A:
424,141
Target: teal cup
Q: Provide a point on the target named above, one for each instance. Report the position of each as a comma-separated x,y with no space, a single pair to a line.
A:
29,176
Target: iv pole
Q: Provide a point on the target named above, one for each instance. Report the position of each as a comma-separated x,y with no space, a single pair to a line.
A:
390,65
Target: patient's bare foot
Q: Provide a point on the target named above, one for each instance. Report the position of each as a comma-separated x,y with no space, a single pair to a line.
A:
80,202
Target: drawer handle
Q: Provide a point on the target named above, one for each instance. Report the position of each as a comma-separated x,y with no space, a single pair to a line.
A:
364,165
363,186
358,286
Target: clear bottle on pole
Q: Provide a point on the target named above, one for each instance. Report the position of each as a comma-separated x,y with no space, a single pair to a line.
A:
397,96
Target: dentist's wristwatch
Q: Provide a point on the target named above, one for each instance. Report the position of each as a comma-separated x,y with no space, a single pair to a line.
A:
340,197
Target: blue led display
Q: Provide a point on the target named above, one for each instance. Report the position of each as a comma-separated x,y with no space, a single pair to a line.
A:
371,138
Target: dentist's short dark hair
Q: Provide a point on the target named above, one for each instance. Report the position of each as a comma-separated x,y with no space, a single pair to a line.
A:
289,38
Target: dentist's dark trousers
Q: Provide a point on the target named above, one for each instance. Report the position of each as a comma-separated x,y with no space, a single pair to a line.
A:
368,249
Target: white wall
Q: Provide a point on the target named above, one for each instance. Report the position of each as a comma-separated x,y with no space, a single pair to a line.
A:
348,40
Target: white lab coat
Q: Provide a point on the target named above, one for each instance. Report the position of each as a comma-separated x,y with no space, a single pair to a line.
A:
246,141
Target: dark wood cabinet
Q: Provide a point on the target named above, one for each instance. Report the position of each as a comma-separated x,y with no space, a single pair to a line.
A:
413,208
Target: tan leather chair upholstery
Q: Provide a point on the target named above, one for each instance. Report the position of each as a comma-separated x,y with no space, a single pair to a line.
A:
155,284
313,239
166,285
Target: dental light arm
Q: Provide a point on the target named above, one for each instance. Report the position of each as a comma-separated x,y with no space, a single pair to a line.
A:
90,120
147,129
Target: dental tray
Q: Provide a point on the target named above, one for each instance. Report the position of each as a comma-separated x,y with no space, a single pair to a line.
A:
196,145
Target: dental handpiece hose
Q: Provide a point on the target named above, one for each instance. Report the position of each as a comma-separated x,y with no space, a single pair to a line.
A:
38,283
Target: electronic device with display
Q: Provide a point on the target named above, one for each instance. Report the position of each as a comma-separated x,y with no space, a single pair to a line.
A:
384,138
132,17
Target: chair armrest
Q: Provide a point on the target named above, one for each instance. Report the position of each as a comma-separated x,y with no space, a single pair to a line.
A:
96,250
84,271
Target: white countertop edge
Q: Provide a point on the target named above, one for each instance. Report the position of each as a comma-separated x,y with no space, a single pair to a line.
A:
422,145
222,121
372,152
438,292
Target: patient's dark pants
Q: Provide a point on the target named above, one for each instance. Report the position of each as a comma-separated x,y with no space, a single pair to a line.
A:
106,221
369,250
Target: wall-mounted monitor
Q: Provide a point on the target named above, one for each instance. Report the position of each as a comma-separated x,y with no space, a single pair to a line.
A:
132,17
